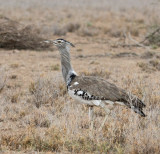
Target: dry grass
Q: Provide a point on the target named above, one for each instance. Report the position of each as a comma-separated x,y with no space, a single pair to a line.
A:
45,91
150,66
36,113
97,72
71,27
2,79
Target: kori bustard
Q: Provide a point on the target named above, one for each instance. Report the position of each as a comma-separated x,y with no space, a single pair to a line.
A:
91,90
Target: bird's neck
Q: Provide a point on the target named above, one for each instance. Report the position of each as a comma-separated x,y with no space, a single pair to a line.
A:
67,70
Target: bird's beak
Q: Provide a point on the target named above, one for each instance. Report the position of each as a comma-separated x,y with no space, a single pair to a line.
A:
50,41
54,42
47,41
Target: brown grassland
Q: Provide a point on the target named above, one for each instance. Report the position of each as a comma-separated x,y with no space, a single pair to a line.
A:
36,113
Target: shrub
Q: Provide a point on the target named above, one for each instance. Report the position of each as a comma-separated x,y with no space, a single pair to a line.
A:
14,35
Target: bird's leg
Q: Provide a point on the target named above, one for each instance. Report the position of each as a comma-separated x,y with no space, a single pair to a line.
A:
102,105
91,117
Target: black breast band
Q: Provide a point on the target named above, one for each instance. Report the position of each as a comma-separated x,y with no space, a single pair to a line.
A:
72,76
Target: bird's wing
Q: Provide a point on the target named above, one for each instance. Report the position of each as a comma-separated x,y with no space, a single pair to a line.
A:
98,87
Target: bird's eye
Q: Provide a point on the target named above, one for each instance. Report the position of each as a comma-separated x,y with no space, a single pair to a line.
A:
59,41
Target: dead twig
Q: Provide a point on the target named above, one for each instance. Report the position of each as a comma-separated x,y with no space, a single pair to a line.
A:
150,35
136,43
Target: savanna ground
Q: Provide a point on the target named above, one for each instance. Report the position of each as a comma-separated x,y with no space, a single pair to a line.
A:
36,113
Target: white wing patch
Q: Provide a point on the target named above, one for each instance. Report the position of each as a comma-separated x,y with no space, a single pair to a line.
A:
79,92
75,83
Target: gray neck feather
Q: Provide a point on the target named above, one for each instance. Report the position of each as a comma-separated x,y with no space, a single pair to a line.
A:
67,69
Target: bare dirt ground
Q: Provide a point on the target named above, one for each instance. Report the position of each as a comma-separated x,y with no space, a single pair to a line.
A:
36,113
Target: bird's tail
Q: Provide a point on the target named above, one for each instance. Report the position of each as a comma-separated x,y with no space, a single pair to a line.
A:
136,105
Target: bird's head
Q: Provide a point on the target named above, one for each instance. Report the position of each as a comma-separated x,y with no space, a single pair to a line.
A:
61,43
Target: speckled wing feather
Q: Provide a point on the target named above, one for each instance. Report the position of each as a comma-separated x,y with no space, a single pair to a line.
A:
101,89
97,87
